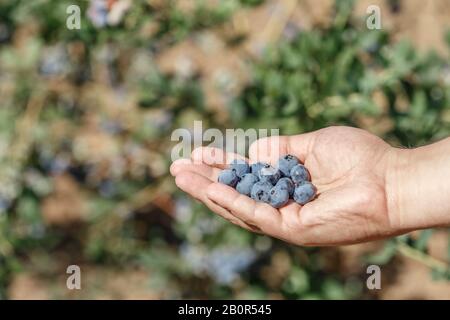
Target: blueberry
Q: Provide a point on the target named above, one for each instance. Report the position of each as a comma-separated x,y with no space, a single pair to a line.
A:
229,177
286,163
260,191
269,174
287,184
278,196
240,166
245,185
299,173
256,167
304,192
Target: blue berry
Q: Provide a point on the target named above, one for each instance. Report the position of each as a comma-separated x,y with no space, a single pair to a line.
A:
240,166
287,184
269,174
260,191
229,177
304,192
256,167
246,184
278,197
299,173
286,163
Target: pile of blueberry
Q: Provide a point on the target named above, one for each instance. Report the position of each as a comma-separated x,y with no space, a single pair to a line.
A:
275,186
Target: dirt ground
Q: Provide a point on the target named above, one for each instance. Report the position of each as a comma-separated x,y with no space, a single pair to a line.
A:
404,278
96,283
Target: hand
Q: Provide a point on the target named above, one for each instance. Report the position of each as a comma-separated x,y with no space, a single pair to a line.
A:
347,165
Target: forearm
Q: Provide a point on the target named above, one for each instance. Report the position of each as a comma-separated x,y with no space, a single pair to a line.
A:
418,186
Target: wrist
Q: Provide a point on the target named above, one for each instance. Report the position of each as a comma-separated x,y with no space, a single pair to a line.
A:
418,187
399,164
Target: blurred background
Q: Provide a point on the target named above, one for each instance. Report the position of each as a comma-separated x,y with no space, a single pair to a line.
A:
85,123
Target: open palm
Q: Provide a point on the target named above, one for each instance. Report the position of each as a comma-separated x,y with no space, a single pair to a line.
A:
348,167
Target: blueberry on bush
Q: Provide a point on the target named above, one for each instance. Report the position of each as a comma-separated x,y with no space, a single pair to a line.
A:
229,177
260,191
286,163
269,174
246,184
299,173
278,196
304,192
240,166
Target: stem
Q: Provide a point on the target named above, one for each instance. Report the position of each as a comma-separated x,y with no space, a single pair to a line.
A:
427,260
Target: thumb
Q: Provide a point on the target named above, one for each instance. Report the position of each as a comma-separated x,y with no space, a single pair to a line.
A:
270,149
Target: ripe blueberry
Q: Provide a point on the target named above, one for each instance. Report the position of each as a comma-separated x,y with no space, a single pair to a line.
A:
246,184
240,166
287,184
299,173
278,197
256,167
260,191
269,174
304,192
286,163
228,177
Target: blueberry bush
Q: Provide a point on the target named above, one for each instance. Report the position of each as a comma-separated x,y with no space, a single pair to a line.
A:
85,123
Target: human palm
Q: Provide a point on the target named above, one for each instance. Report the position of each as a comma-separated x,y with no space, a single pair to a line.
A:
347,165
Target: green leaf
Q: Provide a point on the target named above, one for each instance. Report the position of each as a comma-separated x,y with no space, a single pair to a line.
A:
385,255
422,242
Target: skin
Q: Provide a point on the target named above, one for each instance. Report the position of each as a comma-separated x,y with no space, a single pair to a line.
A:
367,190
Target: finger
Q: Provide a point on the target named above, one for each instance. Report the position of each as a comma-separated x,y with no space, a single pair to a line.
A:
270,149
184,165
174,167
291,227
253,213
214,157
195,185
